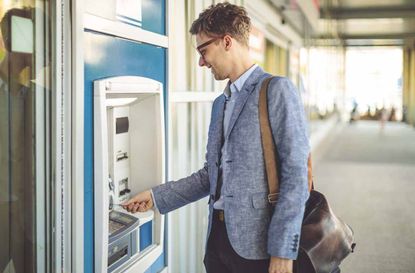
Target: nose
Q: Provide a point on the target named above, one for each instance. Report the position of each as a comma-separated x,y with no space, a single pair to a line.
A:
201,61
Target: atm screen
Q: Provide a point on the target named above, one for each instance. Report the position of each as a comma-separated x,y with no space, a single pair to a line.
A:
121,125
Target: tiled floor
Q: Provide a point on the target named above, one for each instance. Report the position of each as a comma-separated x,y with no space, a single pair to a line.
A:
368,176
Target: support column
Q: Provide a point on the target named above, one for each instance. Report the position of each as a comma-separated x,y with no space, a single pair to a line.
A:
409,84
411,79
405,85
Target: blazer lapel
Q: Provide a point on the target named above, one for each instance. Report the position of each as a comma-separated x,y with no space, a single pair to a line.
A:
218,113
240,102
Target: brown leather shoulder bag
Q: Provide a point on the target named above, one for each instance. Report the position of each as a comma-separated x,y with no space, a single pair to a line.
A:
325,239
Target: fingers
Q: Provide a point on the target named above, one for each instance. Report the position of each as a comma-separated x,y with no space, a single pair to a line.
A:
137,206
143,207
133,200
141,202
130,207
128,202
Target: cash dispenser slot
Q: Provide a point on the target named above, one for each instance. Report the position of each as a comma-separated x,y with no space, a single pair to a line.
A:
117,255
121,156
123,187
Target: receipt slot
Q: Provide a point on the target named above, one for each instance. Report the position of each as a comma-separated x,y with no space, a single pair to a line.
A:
129,157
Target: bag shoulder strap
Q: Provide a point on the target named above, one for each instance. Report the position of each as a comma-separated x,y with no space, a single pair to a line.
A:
268,146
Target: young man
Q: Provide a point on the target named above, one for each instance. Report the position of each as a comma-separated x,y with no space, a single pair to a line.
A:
245,232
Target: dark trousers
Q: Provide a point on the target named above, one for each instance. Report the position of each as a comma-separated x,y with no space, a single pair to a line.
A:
220,257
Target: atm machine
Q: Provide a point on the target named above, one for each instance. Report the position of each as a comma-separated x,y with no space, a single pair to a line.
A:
129,157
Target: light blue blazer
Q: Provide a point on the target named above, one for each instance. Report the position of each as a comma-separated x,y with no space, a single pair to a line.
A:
255,229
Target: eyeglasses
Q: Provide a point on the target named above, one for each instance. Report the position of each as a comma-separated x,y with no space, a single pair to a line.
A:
205,44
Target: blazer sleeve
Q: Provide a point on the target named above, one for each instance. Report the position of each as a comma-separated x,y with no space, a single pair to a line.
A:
175,194
289,130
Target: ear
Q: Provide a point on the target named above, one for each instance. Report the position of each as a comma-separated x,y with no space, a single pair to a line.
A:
227,39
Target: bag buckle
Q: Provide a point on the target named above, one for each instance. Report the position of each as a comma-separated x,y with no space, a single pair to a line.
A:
272,198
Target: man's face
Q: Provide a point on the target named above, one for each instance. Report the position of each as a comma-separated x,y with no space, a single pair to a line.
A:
211,53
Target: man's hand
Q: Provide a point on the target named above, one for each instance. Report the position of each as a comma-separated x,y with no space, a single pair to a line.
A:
141,202
280,265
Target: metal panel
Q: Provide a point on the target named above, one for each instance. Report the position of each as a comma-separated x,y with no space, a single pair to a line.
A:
77,113
57,254
122,30
106,56
152,17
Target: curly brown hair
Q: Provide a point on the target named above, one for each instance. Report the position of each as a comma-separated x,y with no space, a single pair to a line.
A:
221,19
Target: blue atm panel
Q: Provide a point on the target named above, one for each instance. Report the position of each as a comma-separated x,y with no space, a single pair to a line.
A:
107,56
154,16
146,14
146,235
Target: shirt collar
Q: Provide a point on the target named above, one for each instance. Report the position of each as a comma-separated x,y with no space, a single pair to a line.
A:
237,85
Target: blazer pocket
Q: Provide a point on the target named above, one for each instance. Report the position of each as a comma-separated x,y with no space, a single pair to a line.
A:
260,200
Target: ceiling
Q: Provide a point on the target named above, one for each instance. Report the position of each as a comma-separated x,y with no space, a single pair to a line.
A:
367,22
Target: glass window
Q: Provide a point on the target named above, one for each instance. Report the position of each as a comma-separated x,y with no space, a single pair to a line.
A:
24,77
